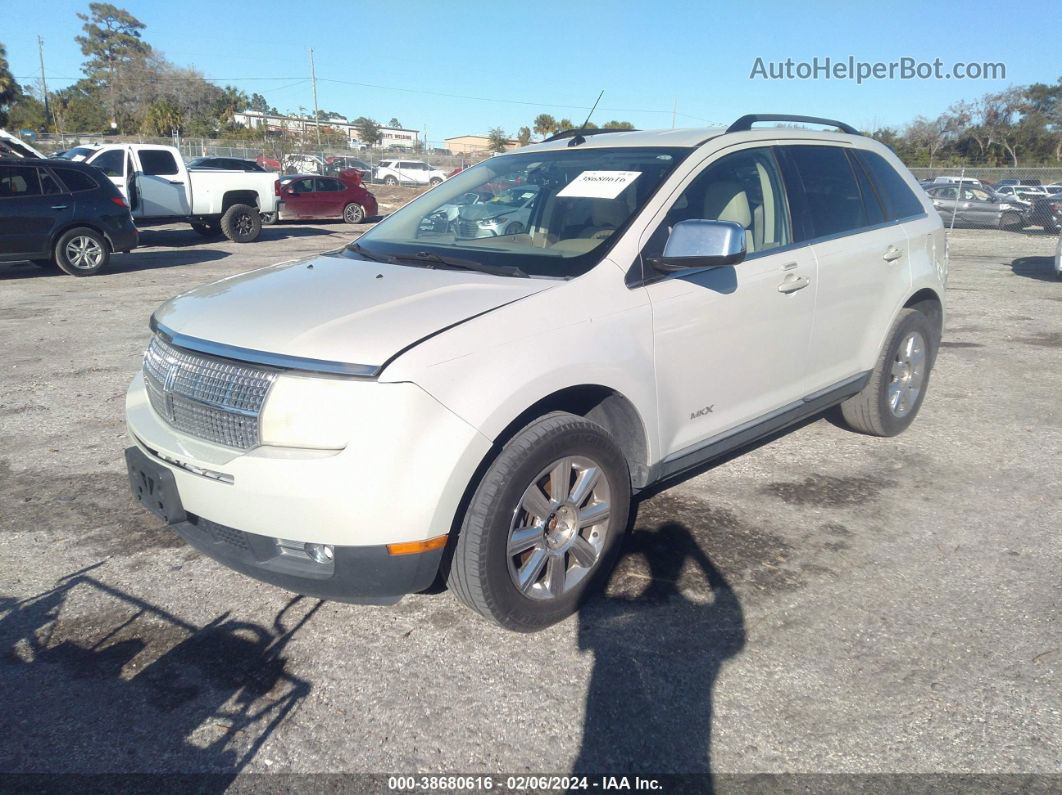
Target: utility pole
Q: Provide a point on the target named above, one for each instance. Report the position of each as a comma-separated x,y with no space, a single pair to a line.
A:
44,84
316,113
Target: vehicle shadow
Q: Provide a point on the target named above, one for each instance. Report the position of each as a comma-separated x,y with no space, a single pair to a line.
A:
657,655
96,680
1039,268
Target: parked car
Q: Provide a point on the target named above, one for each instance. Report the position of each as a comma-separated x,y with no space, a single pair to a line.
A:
225,164
976,207
408,172
268,163
443,219
334,165
306,196
355,425
1023,193
304,164
1053,189
1047,212
1012,181
161,189
15,148
54,212
506,213
78,153
970,181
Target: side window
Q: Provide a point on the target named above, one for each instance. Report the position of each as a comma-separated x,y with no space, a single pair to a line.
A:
898,198
304,185
977,195
49,186
76,180
111,162
871,201
833,204
329,185
158,162
948,193
745,188
19,181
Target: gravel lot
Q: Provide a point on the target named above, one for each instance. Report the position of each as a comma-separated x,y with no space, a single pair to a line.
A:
824,602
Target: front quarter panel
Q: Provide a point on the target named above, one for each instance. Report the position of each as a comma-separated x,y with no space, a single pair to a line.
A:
588,331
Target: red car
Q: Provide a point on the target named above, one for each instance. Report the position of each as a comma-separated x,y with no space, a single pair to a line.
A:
306,196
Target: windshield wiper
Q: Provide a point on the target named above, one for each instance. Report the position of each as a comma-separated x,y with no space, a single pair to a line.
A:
360,249
429,259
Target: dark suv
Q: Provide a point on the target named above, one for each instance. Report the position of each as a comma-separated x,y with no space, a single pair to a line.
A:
63,213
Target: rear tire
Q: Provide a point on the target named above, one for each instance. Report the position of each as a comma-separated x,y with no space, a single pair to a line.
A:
892,397
241,223
389,180
528,567
354,213
82,252
434,181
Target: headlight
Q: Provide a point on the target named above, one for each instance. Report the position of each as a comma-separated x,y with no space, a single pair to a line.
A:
305,411
492,221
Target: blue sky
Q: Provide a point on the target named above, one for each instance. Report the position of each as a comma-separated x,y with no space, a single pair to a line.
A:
556,56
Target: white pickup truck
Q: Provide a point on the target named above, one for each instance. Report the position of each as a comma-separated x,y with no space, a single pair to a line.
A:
161,189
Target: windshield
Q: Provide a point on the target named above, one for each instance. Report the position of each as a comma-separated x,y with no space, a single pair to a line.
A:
77,153
552,213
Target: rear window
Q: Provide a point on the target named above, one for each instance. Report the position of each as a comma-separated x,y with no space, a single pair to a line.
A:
75,180
833,203
158,162
19,181
898,198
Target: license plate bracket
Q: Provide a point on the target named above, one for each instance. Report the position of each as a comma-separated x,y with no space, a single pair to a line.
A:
154,486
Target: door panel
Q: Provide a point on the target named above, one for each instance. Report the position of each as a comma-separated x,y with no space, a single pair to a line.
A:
730,345
162,185
27,215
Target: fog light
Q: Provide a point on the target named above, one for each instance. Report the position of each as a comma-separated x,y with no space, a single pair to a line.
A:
321,553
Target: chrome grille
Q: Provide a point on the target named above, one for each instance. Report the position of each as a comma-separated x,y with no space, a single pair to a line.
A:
209,398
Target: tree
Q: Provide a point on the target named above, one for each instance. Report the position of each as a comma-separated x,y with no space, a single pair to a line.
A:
111,43
162,118
524,136
9,89
232,102
395,123
565,124
497,140
544,124
617,125
258,103
368,130
27,112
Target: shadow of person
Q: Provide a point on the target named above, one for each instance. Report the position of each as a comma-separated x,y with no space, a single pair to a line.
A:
657,654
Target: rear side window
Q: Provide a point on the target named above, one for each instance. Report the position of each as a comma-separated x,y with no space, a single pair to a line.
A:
898,198
832,203
49,186
19,181
158,162
75,180
871,201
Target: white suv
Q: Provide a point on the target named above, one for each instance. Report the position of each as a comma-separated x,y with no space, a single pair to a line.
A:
408,172
424,405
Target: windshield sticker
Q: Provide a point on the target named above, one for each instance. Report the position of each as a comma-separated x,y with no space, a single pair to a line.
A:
599,184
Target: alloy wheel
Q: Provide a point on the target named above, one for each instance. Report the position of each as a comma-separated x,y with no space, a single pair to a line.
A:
84,252
907,375
558,529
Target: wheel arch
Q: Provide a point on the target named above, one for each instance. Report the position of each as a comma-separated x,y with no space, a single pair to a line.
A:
929,303
600,404
62,230
248,197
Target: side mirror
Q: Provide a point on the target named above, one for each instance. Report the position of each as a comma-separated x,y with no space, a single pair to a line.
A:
698,243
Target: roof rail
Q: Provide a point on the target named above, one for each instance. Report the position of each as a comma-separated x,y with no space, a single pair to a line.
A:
572,133
745,122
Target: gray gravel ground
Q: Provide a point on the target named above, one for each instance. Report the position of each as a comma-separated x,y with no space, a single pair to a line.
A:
824,602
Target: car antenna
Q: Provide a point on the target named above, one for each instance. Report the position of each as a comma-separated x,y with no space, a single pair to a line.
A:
578,139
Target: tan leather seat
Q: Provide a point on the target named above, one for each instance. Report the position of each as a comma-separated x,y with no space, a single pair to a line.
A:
606,216
727,201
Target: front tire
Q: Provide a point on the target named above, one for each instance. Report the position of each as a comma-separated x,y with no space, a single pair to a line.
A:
1011,222
241,223
268,219
543,526
82,252
890,401
434,181
390,181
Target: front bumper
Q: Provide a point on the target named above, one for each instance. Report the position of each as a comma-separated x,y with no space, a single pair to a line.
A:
362,575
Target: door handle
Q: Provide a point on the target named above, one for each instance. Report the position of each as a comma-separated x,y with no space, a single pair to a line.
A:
60,206
793,283
892,254
174,182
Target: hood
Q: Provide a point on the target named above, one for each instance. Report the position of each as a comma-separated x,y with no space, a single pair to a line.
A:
481,212
336,308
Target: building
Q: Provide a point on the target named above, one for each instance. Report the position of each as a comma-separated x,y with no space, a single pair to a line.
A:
391,137
473,144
